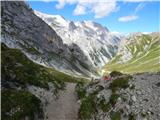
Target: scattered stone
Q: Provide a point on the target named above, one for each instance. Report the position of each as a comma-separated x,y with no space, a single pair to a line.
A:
134,98
127,107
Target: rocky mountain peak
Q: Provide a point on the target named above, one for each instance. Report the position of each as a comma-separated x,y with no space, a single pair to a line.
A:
22,29
97,43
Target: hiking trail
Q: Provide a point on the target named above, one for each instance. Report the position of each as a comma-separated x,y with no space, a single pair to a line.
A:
66,106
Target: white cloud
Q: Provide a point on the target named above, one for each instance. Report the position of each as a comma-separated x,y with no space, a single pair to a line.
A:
100,8
136,0
127,18
139,7
61,4
104,9
132,17
80,10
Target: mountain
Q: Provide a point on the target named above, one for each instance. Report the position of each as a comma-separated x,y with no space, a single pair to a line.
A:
138,53
22,29
43,61
95,40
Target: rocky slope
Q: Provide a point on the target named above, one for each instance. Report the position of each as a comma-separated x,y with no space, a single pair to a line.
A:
21,78
125,97
137,54
22,29
96,41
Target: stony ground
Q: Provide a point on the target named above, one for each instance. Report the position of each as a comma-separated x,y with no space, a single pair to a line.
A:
66,106
139,101
145,96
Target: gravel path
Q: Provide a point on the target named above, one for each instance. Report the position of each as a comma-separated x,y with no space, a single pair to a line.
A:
66,106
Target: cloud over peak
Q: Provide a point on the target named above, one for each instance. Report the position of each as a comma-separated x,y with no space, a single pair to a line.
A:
99,8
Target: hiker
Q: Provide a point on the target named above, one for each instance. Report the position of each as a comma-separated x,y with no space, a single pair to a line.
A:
107,78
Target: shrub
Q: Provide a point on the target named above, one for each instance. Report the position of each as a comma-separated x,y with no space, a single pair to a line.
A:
121,82
87,108
80,90
115,74
132,116
113,98
115,115
104,106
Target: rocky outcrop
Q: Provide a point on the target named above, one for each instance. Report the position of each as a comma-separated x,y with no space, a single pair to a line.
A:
125,97
22,29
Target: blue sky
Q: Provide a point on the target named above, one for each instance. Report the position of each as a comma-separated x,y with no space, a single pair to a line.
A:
120,16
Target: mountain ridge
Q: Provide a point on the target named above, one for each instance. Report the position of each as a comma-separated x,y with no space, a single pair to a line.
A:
98,44
138,53
21,29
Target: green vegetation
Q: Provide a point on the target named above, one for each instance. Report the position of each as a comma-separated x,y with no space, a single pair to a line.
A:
143,114
104,106
80,90
120,82
132,116
113,98
17,67
115,74
87,108
29,48
145,52
16,105
91,103
19,71
115,115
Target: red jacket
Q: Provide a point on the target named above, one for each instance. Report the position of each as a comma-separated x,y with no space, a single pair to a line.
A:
107,78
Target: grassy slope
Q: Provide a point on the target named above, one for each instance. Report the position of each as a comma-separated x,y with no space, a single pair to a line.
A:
20,71
147,61
15,65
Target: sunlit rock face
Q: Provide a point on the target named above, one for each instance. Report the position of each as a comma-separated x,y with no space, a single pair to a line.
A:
22,29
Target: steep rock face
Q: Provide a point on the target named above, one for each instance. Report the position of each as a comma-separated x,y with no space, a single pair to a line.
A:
22,29
97,43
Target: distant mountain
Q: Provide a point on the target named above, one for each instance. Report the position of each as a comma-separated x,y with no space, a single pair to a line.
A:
137,53
96,41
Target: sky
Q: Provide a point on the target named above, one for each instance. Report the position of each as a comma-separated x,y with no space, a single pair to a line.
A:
118,16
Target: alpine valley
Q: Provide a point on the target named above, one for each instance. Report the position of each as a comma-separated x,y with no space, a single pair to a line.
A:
55,69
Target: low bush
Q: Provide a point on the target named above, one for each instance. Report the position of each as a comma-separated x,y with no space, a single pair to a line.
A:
132,116
87,108
115,74
120,82
113,98
115,115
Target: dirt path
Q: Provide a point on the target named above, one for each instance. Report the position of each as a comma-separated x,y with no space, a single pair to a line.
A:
66,106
